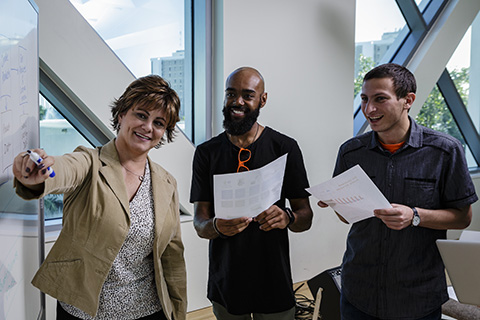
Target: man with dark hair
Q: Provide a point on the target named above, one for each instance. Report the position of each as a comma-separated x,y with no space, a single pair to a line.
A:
392,268
249,270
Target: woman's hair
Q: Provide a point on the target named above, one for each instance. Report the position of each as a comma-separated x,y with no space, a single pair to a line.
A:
153,93
403,80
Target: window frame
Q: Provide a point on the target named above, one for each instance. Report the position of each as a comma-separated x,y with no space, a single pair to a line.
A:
419,20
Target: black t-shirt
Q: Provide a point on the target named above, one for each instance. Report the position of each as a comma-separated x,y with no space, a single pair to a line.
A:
250,272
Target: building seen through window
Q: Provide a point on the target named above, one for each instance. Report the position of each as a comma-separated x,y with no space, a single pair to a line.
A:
148,36
172,68
375,43
374,37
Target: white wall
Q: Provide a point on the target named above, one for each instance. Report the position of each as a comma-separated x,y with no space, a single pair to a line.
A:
305,51
475,225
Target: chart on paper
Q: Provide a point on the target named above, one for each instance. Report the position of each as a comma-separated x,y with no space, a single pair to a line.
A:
347,200
247,194
351,194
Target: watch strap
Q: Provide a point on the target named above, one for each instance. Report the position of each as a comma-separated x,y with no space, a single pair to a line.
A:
416,217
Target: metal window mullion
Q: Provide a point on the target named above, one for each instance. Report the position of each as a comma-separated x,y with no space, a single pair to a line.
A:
201,74
433,10
70,111
412,15
460,114
208,67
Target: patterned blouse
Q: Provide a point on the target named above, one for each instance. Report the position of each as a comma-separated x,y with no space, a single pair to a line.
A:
129,292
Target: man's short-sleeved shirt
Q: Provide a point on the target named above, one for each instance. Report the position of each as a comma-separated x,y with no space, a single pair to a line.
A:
400,274
250,272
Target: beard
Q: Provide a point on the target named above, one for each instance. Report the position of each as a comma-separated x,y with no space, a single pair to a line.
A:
239,127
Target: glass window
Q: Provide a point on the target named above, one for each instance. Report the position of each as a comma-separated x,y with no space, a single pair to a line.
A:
459,68
374,37
57,136
463,70
148,36
436,115
474,95
389,30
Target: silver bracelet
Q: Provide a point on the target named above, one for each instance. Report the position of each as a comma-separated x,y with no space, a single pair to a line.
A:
290,215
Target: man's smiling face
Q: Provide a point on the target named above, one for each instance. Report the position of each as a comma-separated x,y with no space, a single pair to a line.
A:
244,96
386,114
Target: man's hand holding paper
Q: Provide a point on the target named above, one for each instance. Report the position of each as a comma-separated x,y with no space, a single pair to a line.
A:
353,196
272,218
249,193
230,227
397,217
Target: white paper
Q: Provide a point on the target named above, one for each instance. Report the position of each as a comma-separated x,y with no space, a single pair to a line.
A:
248,193
451,294
352,194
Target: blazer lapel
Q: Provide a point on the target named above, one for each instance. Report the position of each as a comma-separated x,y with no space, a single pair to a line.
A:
163,190
111,171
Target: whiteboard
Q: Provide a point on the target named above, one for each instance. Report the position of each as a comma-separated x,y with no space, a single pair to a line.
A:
19,130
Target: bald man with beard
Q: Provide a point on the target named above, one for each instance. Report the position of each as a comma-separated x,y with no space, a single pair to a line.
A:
249,269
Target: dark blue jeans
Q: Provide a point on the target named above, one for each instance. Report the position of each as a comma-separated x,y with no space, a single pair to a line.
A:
350,312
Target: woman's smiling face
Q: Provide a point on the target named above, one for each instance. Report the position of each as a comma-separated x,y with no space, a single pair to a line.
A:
141,129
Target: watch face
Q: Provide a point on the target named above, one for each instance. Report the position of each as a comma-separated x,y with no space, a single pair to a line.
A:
416,221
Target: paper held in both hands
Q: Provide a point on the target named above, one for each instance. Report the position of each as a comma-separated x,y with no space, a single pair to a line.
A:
248,193
351,194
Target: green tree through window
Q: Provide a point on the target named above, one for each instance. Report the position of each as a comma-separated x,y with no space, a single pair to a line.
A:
435,113
365,64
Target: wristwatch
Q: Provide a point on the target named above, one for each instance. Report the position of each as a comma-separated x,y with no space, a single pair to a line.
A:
290,215
416,217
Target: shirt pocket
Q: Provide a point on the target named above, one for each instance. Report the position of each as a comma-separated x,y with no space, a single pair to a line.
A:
419,192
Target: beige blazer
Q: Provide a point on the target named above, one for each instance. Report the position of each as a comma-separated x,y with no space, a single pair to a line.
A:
96,220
